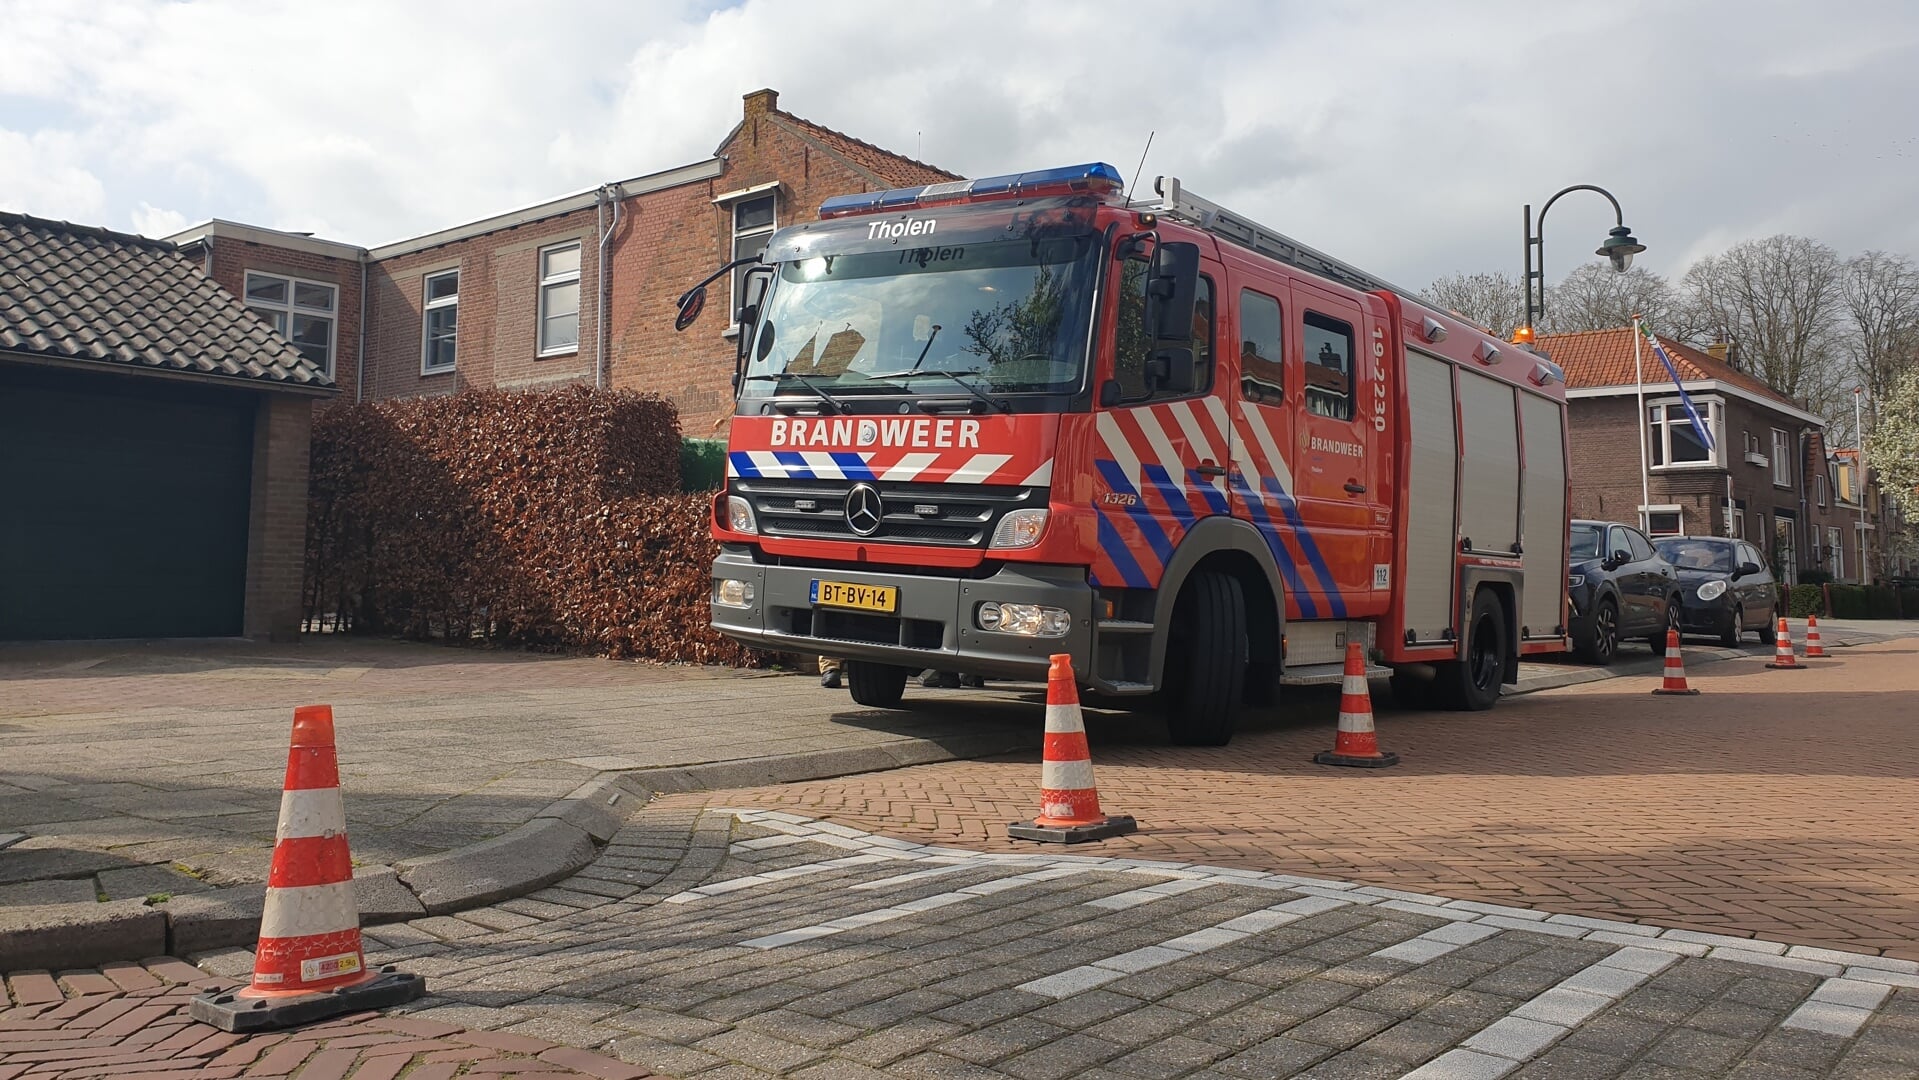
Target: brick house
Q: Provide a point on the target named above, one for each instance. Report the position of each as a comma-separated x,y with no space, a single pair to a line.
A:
575,290
1767,478
154,439
1871,521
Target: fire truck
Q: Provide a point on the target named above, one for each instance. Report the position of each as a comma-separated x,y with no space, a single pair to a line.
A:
985,421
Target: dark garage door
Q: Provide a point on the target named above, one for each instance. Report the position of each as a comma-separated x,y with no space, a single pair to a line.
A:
123,506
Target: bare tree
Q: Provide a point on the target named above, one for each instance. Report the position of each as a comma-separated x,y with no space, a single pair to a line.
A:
1595,297
1779,299
1882,307
1494,301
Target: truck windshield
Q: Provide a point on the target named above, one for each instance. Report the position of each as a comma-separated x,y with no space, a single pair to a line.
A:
1004,317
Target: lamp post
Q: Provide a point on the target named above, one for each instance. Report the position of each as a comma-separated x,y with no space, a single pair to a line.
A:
1619,246
1859,478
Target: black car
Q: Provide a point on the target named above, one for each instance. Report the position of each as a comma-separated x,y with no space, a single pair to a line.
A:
1727,589
1620,588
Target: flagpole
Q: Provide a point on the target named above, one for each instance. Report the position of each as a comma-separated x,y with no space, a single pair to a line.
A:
1639,386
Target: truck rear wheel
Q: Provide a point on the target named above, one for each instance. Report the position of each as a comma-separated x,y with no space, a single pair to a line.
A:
1206,662
876,686
1472,684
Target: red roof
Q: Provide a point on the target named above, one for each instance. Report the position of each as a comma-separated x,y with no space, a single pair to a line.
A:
883,168
1597,358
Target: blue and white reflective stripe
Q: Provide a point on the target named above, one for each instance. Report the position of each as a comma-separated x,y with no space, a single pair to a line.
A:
1175,498
1130,574
1139,514
1327,583
909,467
978,468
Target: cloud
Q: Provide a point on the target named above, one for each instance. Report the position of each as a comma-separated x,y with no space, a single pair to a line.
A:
154,221
1400,141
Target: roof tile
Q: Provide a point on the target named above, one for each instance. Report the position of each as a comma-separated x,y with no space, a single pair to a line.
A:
1597,358
894,170
74,292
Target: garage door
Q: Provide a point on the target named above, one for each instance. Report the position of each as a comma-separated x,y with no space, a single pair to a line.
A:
123,506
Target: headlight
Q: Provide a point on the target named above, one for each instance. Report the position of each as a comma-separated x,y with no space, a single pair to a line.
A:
1028,620
1019,529
732,593
739,515
1574,581
1712,590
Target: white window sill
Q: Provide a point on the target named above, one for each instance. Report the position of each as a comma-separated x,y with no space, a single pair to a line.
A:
1781,487
1686,466
571,350
448,370
731,332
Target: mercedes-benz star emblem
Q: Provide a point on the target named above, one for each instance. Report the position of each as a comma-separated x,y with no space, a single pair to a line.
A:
864,509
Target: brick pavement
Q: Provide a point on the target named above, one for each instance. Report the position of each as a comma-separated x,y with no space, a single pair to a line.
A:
1776,804
129,1021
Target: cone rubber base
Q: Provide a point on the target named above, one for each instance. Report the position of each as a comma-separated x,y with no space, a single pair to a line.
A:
1787,667
1114,825
1679,693
1328,757
228,1011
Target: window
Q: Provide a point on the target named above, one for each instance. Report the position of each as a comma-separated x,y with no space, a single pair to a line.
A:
302,311
1838,550
1262,372
439,321
1748,553
753,222
1819,488
1675,442
1640,546
559,299
1133,343
1781,459
1736,520
1665,522
1329,366
1752,444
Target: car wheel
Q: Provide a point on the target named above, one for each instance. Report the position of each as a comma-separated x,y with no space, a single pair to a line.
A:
1657,642
1737,629
1472,684
1207,676
1601,640
876,686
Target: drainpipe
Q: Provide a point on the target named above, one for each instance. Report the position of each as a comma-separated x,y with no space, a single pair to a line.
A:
608,193
359,356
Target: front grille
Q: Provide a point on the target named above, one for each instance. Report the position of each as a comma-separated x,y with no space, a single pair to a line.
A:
955,515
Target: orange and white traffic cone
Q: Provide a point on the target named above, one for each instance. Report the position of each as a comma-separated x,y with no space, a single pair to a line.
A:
1782,657
1675,668
1068,802
1813,648
309,964
1356,744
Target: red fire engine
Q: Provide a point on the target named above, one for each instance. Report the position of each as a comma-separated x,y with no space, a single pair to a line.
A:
984,421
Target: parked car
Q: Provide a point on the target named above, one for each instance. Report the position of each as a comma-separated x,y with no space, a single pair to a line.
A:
1620,588
1727,589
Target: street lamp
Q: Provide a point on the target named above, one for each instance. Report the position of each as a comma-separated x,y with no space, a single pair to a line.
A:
1619,247
1859,478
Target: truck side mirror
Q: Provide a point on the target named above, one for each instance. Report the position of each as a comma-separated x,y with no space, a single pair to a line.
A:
1173,370
691,305
1172,288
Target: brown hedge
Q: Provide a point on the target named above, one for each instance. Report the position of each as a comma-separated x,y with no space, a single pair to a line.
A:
549,519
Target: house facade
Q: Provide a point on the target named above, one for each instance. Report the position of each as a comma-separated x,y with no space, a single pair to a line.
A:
1766,477
576,290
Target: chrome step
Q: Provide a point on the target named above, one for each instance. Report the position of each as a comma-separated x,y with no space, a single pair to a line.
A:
1327,674
1124,626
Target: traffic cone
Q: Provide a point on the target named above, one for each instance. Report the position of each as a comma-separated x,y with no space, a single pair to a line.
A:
1356,744
1813,648
1782,658
1068,802
1675,668
309,964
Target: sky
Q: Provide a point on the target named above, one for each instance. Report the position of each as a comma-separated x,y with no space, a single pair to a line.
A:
1403,137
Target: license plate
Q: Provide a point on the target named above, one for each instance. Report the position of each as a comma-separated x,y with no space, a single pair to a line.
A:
845,594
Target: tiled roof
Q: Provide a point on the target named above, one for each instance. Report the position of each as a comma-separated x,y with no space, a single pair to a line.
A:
883,167
72,292
1597,358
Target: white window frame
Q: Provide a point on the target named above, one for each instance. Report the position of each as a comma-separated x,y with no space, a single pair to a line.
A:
1781,458
1646,511
751,195
290,309
1659,432
427,307
547,283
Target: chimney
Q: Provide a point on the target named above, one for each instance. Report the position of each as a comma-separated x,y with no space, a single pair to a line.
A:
761,102
1718,349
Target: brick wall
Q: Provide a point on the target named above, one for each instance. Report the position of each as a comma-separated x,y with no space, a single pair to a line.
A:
497,344
277,516
232,258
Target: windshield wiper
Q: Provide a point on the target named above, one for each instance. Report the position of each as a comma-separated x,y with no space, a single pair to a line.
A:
834,403
957,376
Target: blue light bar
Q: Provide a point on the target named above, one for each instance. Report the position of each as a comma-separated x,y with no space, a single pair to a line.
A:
1097,176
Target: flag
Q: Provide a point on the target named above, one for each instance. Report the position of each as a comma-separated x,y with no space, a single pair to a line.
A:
1698,423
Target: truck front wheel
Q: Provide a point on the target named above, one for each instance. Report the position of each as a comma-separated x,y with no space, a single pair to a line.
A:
1206,661
1472,684
876,686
